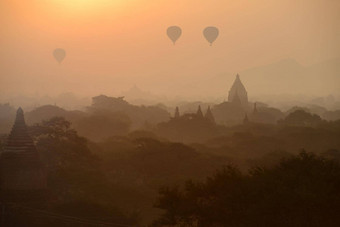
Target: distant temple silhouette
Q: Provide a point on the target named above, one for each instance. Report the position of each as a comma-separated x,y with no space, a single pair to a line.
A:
209,115
238,93
21,170
234,111
177,115
189,127
231,112
199,112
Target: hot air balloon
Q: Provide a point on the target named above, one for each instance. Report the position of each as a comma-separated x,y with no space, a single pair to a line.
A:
210,34
174,32
59,54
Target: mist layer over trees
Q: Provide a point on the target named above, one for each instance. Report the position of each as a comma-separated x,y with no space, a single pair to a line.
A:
217,165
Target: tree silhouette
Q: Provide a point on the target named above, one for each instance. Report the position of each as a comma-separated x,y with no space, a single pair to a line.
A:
302,118
300,191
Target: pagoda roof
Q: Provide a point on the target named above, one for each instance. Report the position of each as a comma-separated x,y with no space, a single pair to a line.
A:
209,115
238,85
19,139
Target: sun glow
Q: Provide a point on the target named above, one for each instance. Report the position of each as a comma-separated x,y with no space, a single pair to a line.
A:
88,6
85,3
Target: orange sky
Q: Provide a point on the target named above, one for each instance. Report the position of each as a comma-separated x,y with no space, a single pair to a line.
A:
113,44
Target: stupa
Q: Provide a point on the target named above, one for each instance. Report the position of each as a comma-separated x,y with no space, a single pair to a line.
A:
21,169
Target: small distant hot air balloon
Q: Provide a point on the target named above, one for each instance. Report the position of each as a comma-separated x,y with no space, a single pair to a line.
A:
59,54
210,34
174,32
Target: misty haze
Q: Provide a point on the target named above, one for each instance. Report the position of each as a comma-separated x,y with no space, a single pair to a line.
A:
170,113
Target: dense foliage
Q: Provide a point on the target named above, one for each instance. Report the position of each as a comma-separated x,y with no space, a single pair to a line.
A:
76,183
303,190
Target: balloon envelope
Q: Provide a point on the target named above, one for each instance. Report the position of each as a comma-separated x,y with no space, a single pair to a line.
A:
174,32
211,34
59,54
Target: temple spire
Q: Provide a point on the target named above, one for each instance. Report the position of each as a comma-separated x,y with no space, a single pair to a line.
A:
177,112
238,89
19,119
209,115
20,166
19,139
236,100
199,112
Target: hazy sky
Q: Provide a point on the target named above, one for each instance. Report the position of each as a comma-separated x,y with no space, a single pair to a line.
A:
113,44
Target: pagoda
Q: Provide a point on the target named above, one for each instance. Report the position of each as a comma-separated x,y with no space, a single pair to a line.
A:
21,169
209,115
238,92
199,112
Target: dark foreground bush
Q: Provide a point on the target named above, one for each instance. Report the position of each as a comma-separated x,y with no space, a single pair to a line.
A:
301,191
